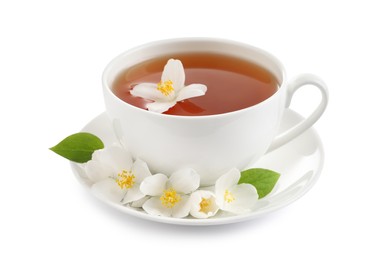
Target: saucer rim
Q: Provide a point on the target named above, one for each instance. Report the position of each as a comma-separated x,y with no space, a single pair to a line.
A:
216,220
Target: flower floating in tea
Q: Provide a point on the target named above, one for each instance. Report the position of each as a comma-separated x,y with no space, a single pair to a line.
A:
170,90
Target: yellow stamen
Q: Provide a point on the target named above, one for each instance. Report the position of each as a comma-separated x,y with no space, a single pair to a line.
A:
165,87
170,198
228,196
205,205
125,179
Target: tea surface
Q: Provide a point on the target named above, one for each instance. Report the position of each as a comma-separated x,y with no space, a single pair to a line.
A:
232,83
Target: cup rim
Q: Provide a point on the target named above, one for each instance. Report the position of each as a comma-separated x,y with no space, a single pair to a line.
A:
107,89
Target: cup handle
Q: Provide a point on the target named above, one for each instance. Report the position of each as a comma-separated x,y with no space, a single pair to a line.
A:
294,85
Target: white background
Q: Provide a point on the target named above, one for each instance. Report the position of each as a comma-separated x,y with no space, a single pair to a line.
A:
52,54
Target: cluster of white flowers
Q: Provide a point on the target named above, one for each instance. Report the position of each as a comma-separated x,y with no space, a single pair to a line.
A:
119,179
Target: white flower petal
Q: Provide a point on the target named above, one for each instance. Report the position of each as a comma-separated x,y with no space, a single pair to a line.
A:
190,91
154,207
108,189
226,181
182,208
195,202
245,197
154,185
96,171
174,71
185,180
148,91
140,170
160,107
114,157
140,202
133,194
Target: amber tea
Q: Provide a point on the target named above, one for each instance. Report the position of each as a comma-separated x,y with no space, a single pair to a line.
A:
232,83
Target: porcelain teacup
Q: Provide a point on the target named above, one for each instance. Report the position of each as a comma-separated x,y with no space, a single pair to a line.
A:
212,144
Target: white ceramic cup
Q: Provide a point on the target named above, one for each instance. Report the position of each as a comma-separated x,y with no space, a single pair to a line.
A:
213,144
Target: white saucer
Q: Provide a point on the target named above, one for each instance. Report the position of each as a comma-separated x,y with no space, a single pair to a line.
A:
299,162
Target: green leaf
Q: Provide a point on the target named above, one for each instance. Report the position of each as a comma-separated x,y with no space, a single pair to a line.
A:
78,147
264,180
